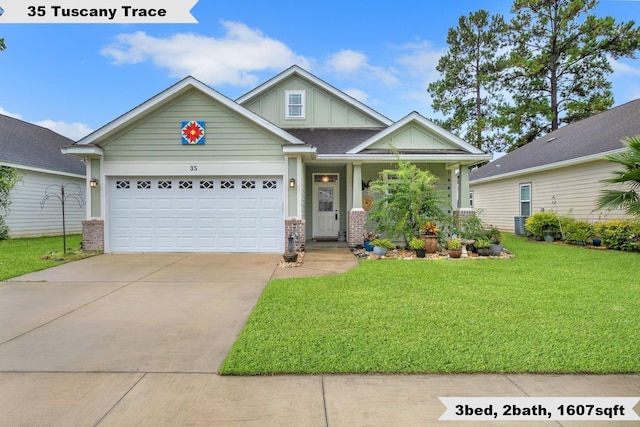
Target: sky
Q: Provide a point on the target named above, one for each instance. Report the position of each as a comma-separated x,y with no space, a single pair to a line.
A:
76,78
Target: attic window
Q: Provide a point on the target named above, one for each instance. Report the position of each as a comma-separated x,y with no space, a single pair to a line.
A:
295,104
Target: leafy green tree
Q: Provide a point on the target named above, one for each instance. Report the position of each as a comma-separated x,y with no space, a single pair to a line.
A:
468,92
628,176
3,46
559,59
9,177
409,199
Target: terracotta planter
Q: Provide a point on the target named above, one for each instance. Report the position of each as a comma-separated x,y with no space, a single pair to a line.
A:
430,243
454,253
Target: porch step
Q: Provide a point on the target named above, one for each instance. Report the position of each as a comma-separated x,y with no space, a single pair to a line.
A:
326,239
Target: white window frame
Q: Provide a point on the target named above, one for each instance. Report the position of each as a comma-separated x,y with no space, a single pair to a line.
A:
523,200
288,104
471,199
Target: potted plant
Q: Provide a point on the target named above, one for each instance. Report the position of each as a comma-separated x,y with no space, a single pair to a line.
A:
483,247
454,248
596,240
430,237
495,237
368,237
381,246
417,245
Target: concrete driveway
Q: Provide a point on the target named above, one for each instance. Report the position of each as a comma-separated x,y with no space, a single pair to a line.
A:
130,313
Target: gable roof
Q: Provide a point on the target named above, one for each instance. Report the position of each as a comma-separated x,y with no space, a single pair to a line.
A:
34,147
333,141
585,140
167,96
419,120
296,70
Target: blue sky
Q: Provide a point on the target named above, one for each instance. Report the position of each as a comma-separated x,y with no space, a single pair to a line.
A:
75,78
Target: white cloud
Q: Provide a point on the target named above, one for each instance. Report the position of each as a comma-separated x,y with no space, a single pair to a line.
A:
356,65
232,59
7,113
421,60
620,67
358,94
347,62
73,131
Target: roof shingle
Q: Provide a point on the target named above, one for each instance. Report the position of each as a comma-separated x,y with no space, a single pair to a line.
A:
597,134
26,144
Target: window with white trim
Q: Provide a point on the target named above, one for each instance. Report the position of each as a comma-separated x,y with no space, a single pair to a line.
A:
471,199
295,104
525,199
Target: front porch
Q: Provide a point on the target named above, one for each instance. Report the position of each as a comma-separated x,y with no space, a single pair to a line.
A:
335,199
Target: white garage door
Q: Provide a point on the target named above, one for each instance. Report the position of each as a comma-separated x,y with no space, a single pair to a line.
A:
187,214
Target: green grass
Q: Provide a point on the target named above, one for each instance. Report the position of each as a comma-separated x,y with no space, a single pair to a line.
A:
552,309
22,256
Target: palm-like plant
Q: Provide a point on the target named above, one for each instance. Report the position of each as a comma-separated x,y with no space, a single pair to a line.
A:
628,177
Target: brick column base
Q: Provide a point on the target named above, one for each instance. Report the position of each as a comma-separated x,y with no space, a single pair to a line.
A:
93,235
357,219
294,226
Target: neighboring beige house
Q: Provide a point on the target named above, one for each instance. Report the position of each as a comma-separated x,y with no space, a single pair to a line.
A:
191,170
35,152
561,171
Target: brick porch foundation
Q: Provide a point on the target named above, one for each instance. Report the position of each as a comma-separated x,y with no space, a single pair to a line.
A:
93,235
357,219
294,226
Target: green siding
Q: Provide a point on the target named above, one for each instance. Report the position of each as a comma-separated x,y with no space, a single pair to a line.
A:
95,192
322,109
292,195
415,137
229,136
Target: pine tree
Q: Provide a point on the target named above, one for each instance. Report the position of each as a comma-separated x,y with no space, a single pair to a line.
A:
468,93
559,62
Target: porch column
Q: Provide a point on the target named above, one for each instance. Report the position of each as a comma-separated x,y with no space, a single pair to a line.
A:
463,193
357,215
357,186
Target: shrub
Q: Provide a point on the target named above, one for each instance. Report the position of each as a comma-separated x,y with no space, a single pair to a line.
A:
541,223
494,236
416,244
409,198
619,235
454,244
384,243
578,231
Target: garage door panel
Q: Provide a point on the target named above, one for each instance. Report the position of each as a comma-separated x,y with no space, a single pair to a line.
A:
196,215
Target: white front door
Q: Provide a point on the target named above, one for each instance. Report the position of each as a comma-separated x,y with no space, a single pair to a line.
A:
326,205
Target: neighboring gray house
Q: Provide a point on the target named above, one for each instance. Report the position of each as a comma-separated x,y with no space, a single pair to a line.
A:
36,153
561,171
191,170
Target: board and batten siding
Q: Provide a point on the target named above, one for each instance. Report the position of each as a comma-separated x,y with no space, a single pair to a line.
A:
571,190
322,109
27,219
229,137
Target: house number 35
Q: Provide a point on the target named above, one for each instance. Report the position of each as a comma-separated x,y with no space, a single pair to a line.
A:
193,168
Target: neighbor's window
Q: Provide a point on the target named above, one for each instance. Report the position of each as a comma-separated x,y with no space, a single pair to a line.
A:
470,199
525,199
295,100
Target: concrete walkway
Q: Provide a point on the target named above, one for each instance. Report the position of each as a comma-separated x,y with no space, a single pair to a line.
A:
135,340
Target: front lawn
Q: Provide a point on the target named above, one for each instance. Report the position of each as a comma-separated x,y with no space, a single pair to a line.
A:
552,309
22,256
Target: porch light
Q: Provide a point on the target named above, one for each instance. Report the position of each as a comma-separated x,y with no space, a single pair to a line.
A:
292,183
325,178
93,183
